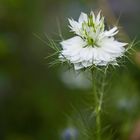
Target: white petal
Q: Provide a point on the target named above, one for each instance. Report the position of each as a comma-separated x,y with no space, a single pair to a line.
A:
75,26
86,64
113,47
101,55
74,42
98,17
77,66
90,54
75,57
84,53
93,16
111,32
83,17
94,53
114,63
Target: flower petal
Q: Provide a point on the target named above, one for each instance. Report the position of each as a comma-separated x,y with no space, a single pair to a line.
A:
111,32
78,66
98,17
73,43
75,26
83,17
113,47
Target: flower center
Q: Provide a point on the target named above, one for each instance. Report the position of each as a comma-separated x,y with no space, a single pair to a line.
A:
91,42
91,30
87,35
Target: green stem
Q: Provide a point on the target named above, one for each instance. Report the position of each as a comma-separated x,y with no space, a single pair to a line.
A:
98,103
98,117
98,123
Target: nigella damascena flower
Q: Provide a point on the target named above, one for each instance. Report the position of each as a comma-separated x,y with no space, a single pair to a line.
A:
92,44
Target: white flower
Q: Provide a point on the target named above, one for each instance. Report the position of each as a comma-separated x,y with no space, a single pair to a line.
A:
92,44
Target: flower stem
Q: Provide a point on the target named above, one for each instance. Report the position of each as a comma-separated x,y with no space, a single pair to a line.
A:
98,98
98,123
98,117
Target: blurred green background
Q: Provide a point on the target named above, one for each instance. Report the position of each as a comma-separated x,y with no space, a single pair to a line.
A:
35,100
